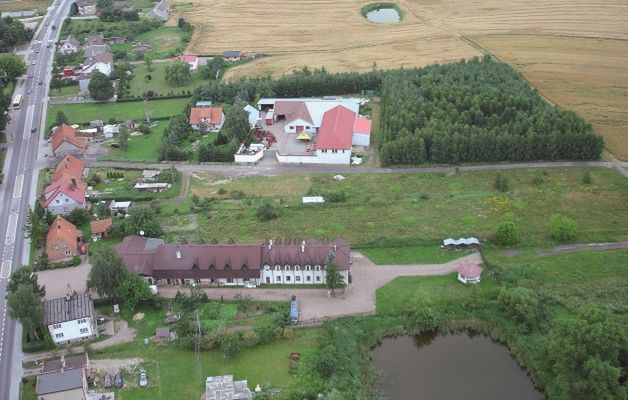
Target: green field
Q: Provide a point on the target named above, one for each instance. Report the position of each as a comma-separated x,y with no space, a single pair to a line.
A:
134,110
423,254
66,91
139,85
428,207
122,188
141,148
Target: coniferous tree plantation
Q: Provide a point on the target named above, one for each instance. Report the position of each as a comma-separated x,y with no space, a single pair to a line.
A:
476,111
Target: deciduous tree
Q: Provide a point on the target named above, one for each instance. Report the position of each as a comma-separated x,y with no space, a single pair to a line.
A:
11,66
333,278
107,274
134,290
178,73
26,306
563,228
100,86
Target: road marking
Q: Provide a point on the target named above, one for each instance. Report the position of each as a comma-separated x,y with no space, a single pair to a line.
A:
11,228
17,188
5,270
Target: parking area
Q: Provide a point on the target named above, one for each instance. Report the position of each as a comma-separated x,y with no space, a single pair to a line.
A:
287,143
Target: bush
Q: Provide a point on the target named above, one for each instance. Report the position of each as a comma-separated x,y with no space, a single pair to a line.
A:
336,197
586,178
507,233
231,345
250,338
562,228
267,212
501,183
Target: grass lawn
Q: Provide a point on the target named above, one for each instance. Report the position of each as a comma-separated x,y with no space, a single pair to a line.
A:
141,148
426,207
27,388
66,91
166,41
122,188
171,370
139,85
83,113
427,254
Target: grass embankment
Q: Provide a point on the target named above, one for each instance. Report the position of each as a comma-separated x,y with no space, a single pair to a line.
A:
157,83
134,110
416,206
172,370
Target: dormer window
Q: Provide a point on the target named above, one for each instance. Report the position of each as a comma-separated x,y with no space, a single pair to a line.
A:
266,267
287,267
297,268
277,267
308,267
317,268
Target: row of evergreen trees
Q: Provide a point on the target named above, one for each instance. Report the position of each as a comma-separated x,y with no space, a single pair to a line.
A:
476,111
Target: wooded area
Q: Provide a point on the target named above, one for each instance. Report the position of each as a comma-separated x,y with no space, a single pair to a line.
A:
476,111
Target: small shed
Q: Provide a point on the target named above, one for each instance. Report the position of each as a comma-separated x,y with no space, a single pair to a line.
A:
469,273
162,333
462,243
150,175
101,228
204,103
313,200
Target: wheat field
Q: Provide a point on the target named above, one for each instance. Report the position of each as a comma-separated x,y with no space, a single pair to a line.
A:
574,51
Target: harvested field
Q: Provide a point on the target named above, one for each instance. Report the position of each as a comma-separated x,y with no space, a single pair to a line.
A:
20,5
589,76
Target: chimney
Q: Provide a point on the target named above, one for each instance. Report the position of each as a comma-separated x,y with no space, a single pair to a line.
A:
270,244
73,180
303,246
178,254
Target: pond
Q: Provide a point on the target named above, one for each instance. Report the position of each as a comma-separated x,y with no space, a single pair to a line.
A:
451,366
384,15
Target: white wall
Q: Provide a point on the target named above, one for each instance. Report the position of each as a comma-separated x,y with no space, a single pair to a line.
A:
299,122
329,157
296,275
361,139
63,205
71,331
296,159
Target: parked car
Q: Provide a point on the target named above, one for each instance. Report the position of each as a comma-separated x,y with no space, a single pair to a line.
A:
107,381
143,379
250,285
100,320
83,248
117,380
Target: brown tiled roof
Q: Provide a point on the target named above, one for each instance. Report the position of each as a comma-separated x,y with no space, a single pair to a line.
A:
66,133
213,113
71,166
70,186
71,362
61,233
225,260
469,270
292,110
101,225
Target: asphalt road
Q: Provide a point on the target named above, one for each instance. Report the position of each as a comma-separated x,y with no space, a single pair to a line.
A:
24,133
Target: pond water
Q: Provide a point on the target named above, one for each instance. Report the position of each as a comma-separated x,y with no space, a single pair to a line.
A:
383,16
452,366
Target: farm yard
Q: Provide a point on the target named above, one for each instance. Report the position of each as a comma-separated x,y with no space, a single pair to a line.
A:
558,46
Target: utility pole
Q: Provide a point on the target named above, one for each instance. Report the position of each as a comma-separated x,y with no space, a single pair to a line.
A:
146,111
197,355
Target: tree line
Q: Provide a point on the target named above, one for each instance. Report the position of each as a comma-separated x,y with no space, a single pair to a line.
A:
13,33
476,111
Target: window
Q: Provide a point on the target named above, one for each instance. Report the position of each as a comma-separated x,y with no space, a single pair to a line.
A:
57,201
334,151
278,279
58,335
82,321
317,268
67,200
287,268
297,278
288,278
292,127
277,267
68,252
308,267
56,326
308,278
318,279
266,267
307,127
297,268
229,280
84,330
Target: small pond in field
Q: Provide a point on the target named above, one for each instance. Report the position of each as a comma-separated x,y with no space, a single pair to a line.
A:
384,15
452,366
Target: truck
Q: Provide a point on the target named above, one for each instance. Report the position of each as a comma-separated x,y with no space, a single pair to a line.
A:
294,310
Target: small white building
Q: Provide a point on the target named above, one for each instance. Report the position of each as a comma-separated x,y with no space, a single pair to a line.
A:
249,155
117,207
70,45
225,388
469,273
70,318
153,187
254,119
191,60
103,63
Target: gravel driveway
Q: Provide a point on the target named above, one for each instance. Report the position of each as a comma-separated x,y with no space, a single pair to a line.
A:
359,298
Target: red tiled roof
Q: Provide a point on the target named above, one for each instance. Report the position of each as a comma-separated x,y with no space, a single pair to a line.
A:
101,225
74,189
189,58
71,166
469,270
362,125
336,130
61,233
213,113
65,133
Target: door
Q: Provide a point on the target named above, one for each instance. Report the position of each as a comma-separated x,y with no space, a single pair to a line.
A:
299,129
267,279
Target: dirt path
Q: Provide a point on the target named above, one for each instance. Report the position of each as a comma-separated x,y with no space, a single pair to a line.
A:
274,168
359,297
570,248
185,186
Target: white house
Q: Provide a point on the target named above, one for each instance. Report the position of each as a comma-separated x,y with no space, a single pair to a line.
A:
469,273
64,195
70,318
254,118
70,45
103,63
191,60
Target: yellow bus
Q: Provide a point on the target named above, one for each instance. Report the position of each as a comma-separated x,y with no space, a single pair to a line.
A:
17,101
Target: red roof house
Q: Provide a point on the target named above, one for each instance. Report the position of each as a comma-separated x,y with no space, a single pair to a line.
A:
64,141
70,166
62,240
336,129
213,118
64,195
191,60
